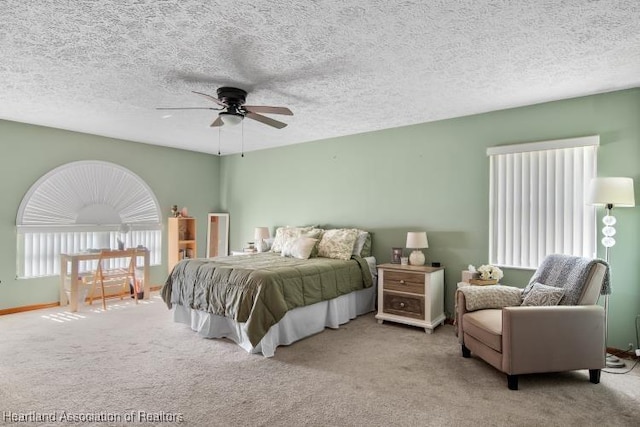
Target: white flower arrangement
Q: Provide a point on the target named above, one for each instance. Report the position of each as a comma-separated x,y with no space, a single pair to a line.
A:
490,272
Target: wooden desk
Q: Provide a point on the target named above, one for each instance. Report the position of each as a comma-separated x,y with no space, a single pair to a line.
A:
69,274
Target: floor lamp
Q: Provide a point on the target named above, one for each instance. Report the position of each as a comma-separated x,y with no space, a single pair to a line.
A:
610,192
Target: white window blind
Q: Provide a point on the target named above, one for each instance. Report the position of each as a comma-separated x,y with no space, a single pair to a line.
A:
41,249
537,201
81,206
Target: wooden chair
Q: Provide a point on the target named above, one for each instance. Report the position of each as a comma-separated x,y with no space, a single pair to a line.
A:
114,278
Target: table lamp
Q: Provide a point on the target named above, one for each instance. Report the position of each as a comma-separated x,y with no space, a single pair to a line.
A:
417,240
259,236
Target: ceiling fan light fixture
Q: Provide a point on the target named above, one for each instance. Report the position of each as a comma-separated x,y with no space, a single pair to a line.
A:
231,118
233,111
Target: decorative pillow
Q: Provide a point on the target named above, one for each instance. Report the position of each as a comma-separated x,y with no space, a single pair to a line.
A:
366,248
337,243
540,294
278,240
491,296
314,233
283,234
299,248
360,241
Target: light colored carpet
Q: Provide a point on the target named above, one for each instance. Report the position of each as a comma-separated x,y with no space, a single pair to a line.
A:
135,358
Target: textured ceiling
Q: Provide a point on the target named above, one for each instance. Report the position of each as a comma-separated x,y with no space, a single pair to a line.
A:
342,67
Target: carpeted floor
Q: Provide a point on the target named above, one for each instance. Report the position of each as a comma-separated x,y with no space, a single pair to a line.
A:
132,363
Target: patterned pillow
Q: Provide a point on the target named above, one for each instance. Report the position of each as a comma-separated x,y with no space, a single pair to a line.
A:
366,248
540,294
278,240
490,296
314,233
299,248
284,234
337,243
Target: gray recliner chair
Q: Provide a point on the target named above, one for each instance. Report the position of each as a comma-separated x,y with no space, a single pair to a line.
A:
520,339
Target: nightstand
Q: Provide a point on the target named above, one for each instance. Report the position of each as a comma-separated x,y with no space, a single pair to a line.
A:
411,294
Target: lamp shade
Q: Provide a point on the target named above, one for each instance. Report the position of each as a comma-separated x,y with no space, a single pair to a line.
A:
261,233
417,240
614,191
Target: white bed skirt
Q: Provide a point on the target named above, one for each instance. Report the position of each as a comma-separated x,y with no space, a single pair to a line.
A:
295,325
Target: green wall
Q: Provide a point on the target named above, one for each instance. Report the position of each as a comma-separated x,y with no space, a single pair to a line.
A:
431,177
435,177
176,177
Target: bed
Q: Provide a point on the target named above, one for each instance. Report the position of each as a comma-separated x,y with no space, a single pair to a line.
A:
264,300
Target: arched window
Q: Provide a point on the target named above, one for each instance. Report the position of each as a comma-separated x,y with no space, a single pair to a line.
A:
82,206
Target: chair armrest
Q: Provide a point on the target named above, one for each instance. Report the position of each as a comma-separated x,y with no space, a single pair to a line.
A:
556,338
460,309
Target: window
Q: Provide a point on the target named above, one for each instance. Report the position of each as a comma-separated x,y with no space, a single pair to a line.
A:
81,206
537,201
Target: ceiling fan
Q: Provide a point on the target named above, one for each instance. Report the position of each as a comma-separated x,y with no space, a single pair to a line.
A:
233,110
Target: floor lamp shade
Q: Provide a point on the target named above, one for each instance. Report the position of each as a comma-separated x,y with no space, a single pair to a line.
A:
610,192
614,191
417,240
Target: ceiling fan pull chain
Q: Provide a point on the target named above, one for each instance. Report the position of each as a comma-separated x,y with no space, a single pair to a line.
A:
242,143
218,141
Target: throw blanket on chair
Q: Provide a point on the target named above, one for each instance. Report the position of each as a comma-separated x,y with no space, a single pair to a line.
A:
569,273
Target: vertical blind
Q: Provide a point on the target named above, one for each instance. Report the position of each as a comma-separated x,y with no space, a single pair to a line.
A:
537,201
41,250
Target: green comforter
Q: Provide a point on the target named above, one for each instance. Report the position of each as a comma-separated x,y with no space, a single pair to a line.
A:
259,289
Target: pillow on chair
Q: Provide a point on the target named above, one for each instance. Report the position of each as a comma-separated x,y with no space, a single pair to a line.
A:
492,296
540,294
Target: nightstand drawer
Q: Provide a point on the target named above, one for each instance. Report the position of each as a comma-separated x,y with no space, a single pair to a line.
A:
404,305
404,281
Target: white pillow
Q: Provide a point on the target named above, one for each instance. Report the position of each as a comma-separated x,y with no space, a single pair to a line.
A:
284,234
357,247
299,248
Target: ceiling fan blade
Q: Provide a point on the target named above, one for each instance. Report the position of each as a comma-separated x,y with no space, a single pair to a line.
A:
211,98
188,108
217,122
269,110
266,120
